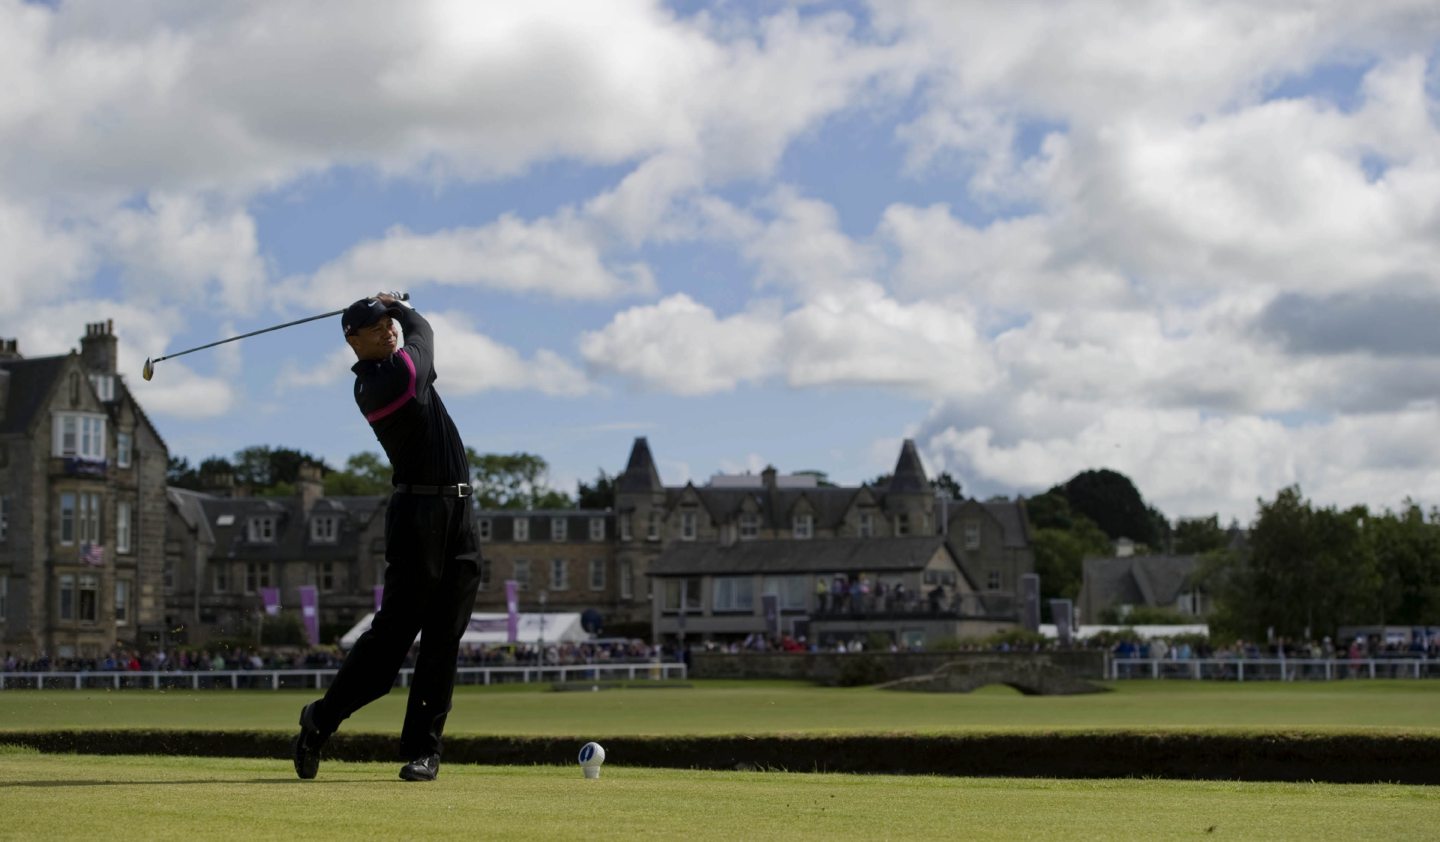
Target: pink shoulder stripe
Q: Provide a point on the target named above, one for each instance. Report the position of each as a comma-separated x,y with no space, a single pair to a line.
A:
404,396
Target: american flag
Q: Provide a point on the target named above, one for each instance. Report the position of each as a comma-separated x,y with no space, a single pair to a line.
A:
92,554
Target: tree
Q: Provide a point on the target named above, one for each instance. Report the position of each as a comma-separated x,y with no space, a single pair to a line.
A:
948,484
1112,502
364,474
1199,535
1062,540
179,473
601,495
513,481
262,467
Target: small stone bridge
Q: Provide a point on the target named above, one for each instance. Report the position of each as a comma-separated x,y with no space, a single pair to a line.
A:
1033,676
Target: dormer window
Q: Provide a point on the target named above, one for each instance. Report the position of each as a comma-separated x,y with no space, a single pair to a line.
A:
104,386
687,526
262,529
804,526
522,529
559,529
972,536
867,525
324,529
597,529
749,526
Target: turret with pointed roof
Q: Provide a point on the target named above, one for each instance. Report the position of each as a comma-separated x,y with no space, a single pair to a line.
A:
640,475
909,476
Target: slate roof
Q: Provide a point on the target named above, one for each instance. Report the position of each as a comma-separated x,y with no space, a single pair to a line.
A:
1012,520
640,474
1155,580
30,384
292,529
909,476
838,555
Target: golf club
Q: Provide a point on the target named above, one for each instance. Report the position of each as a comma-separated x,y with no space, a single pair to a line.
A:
149,370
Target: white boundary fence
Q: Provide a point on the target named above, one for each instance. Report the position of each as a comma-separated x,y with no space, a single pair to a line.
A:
263,679
1272,669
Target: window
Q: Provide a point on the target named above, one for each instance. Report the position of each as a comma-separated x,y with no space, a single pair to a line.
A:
940,577
122,450
625,526
4,597
122,526
484,529
122,602
804,526
327,576
672,591
792,590
597,529
992,580
597,574
749,526
522,529
104,386
67,518
257,576
220,578
627,581
734,593
972,536
89,520
522,574
89,598
324,529
558,528
687,526
559,574
4,518
485,574
652,527
902,524
67,597
167,576
262,529
867,525
81,435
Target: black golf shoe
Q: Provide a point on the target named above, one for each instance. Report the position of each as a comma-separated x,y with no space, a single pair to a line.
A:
424,768
307,745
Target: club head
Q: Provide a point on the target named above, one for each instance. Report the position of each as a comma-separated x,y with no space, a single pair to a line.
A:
149,370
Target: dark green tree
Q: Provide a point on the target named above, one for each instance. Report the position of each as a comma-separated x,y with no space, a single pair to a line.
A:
948,484
601,495
364,474
1110,500
1199,535
513,481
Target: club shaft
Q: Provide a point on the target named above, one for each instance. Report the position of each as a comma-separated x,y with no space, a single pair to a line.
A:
245,335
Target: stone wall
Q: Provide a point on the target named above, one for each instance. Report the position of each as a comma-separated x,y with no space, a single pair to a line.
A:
834,668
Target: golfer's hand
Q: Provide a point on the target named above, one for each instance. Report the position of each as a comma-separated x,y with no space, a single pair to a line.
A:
386,298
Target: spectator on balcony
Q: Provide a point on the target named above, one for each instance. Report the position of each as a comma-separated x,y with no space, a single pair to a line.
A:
822,594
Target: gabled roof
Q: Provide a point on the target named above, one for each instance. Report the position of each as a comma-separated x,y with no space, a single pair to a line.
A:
1154,580
229,517
190,505
1012,519
31,382
909,476
820,556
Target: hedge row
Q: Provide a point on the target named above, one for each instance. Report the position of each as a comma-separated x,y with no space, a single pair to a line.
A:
1341,758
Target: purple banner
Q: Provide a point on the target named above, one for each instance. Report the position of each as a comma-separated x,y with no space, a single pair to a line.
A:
271,599
310,613
379,596
512,608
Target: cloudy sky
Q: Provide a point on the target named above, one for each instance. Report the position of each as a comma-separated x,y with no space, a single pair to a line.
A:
1197,243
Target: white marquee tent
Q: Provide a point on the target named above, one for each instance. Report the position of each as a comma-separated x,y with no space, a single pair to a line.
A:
487,629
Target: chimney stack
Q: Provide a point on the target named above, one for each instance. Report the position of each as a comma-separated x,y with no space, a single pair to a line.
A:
10,349
98,347
309,485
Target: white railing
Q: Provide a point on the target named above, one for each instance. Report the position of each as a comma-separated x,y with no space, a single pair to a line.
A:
1272,669
263,679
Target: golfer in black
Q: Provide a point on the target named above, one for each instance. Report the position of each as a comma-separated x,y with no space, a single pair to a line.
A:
432,559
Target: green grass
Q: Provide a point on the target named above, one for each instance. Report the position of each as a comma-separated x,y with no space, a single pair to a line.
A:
77,796
711,708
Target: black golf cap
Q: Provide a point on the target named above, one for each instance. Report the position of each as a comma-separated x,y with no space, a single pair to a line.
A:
362,314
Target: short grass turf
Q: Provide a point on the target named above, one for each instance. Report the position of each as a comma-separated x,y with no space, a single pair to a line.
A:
764,708
80,796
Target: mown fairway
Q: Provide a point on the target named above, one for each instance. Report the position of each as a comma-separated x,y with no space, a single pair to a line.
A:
711,708
78,796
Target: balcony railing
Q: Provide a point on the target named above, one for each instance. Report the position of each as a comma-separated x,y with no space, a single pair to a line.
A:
997,605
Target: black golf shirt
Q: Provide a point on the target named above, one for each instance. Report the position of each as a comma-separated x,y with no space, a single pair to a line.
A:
397,396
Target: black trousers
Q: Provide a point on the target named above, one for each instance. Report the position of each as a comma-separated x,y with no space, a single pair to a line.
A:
432,572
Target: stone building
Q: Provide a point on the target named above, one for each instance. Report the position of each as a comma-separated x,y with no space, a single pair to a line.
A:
223,546
82,502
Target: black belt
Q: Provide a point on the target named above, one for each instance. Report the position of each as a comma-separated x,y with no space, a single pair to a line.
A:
461,490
